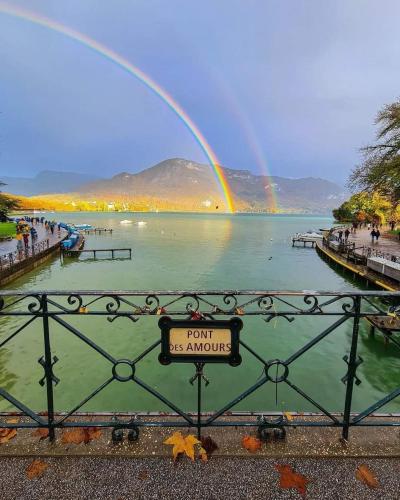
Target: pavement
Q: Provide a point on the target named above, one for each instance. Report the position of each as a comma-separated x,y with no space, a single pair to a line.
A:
161,478
11,246
384,244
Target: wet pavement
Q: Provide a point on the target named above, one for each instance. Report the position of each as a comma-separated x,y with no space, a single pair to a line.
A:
161,478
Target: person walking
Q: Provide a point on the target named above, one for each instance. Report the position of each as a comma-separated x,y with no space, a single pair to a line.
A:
340,235
373,234
26,240
346,234
377,234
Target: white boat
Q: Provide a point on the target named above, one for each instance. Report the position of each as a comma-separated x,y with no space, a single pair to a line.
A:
141,223
126,221
309,236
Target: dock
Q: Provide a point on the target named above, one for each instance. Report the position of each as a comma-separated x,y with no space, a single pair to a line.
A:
300,239
96,230
386,325
357,270
96,251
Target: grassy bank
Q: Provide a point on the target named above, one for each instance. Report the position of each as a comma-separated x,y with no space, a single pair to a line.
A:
7,229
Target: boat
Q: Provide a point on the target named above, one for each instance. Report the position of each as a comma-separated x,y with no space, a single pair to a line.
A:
126,221
83,226
141,223
309,236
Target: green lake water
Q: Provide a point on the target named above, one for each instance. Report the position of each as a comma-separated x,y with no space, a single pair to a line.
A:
203,252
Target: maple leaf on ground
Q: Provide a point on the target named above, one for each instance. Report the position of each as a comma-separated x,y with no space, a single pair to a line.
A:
80,435
288,416
41,433
182,444
209,445
364,474
36,468
291,479
7,434
251,443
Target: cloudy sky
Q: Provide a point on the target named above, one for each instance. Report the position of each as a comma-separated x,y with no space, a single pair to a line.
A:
288,85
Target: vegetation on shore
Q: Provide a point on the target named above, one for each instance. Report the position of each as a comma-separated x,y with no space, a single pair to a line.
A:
7,204
7,229
378,176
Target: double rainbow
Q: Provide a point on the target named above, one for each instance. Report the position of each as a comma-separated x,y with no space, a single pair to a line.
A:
137,73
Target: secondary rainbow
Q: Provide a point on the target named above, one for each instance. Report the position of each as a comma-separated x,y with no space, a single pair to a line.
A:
140,75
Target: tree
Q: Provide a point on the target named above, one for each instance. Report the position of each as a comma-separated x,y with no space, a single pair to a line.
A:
7,204
380,170
365,207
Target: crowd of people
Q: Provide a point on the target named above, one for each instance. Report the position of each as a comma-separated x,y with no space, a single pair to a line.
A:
374,229
26,232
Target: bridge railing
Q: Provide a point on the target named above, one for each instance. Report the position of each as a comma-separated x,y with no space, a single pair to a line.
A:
254,315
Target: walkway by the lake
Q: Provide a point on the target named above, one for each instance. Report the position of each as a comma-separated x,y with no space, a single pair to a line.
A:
7,247
384,243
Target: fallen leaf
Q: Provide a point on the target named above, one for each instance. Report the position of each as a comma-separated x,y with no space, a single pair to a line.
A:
291,479
190,441
182,444
161,310
83,310
80,435
7,434
203,455
36,468
251,443
209,445
92,433
41,433
364,474
143,475
239,311
288,416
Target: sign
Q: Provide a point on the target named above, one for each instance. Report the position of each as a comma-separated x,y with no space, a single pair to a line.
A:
208,341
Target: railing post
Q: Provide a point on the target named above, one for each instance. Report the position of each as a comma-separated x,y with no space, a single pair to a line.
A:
48,368
352,367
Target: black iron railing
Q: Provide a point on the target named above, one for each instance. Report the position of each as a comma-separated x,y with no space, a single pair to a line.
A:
46,313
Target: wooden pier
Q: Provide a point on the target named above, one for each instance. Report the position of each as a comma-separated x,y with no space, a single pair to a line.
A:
96,251
300,239
386,325
96,230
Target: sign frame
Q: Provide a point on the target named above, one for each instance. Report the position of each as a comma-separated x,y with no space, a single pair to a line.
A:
166,357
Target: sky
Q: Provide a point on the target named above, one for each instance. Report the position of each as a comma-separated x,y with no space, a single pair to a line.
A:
285,87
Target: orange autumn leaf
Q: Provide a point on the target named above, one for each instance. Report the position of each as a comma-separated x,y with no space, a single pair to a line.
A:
41,433
239,311
291,479
80,435
7,434
251,443
364,474
36,468
288,416
182,444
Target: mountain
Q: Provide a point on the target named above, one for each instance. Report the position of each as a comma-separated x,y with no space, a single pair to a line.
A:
47,181
187,185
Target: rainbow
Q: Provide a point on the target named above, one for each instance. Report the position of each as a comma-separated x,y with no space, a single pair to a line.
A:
252,141
117,59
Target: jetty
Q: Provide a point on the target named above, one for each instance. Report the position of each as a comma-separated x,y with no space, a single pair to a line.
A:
356,269
96,230
95,251
304,240
387,326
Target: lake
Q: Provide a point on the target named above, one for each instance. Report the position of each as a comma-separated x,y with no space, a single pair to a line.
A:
193,251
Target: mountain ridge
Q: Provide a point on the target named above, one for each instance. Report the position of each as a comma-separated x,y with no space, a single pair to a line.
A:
187,185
